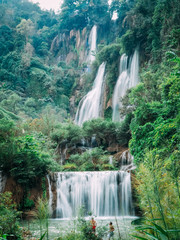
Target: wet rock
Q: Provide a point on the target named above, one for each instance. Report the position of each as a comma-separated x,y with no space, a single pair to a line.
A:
115,148
3,179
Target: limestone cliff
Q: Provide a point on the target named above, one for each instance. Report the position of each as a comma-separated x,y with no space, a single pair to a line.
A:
71,46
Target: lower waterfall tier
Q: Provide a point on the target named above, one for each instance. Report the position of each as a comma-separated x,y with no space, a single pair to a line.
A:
101,193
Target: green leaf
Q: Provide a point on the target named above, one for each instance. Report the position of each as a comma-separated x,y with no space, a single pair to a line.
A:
139,237
174,230
152,237
154,219
42,236
160,229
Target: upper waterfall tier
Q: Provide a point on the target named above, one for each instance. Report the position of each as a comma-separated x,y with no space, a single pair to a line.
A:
92,42
90,105
128,78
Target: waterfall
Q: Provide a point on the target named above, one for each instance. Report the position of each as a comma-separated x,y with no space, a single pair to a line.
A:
120,88
128,78
92,42
134,70
104,194
127,161
63,208
90,105
111,160
63,153
50,195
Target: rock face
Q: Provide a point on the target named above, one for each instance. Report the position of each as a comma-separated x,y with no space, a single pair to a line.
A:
71,46
52,194
115,148
18,193
3,179
15,188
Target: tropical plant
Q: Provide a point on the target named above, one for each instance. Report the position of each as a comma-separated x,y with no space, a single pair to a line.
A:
42,213
9,216
153,231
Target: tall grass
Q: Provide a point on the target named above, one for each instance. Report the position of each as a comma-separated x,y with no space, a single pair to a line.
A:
42,214
158,192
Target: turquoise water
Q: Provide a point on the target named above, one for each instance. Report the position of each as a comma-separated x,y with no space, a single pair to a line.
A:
60,227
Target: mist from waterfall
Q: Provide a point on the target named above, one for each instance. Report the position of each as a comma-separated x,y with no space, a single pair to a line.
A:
90,105
128,78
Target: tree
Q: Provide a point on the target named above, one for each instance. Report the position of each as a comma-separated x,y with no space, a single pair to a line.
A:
26,28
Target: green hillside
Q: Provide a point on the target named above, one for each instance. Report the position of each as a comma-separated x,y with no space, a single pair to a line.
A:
43,77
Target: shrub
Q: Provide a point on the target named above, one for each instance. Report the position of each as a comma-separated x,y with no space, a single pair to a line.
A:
107,167
29,203
9,216
89,160
87,166
69,167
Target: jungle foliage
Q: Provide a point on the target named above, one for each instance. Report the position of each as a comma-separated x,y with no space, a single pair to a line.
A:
9,217
22,156
29,82
36,85
155,144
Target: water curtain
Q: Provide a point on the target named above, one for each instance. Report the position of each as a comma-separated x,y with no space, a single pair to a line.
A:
128,78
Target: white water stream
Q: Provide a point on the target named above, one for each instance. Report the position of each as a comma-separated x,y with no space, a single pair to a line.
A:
104,194
50,196
128,78
90,105
92,42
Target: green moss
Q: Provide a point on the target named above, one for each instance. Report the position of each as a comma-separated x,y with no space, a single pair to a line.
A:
70,167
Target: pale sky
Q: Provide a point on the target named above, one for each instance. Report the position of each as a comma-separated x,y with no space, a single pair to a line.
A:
49,4
53,4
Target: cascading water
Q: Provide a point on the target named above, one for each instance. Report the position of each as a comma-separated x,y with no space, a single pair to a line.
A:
134,70
92,43
63,152
50,195
111,160
120,88
89,106
128,78
126,158
102,193
127,161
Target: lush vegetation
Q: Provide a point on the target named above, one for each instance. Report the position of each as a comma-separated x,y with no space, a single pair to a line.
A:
155,143
29,82
43,68
22,155
9,224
